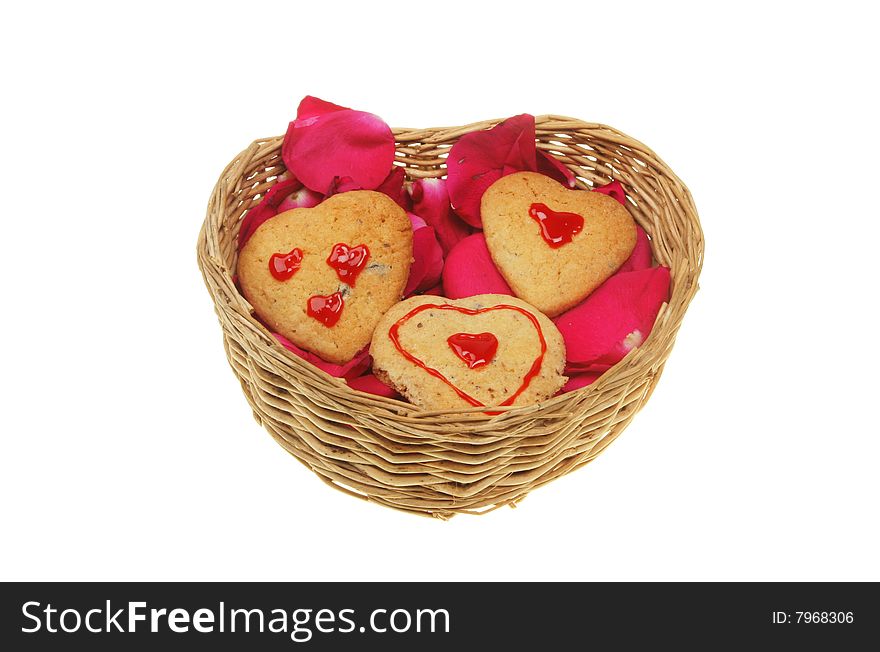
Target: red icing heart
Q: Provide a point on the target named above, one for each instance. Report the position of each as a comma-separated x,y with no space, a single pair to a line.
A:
557,228
348,262
283,266
326,310
534,370
476,350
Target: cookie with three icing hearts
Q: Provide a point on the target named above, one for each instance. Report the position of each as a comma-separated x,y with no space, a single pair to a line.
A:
554,246
323,277
486,350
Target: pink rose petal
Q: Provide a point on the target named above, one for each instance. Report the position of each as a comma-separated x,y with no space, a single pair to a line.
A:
469,270
302,198
430,200
580,380
641,257
427,265
615,318
555,169
327,141
372,385
436,291
613,189
355,367
480,158
267,208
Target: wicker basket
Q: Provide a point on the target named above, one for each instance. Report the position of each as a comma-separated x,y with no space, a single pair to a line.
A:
445,463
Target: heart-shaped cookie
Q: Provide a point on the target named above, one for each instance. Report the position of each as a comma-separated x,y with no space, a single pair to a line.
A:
486,350
323,277
552,245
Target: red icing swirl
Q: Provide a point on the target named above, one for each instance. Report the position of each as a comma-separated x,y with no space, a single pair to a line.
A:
326,310
283,266
534,370
348,262
557,228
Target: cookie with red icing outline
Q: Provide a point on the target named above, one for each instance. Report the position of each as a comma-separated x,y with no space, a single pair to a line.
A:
552,245
323,277
487,350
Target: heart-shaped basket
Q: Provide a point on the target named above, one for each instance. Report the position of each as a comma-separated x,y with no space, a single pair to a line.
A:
463,461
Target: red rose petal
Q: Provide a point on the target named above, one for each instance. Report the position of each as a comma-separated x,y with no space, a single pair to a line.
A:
580,380
268,207
416,221
327,141
427,265
523,154
641,257
573,368
552,167
436,291
393,186
615,318
480,158
314,107
430,200
613,189
372,385
355,367
342,184
469,270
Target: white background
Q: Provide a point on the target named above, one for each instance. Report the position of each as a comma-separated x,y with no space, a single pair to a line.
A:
128,451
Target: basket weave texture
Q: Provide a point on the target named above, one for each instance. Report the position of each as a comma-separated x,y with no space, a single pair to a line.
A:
443,463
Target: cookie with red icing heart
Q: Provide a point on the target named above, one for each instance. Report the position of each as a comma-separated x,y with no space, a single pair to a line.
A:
323,277
552,245
487,350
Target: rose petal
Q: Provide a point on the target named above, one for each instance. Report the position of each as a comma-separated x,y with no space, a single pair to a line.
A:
469,270
341,184
427,265
327,141
523,154
351,369
573,368
430,200
314,107
416,221
613,189
436,291
372,385
480,158
555,169
267,208
580,380
302,198
615,318
641,257
393,186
